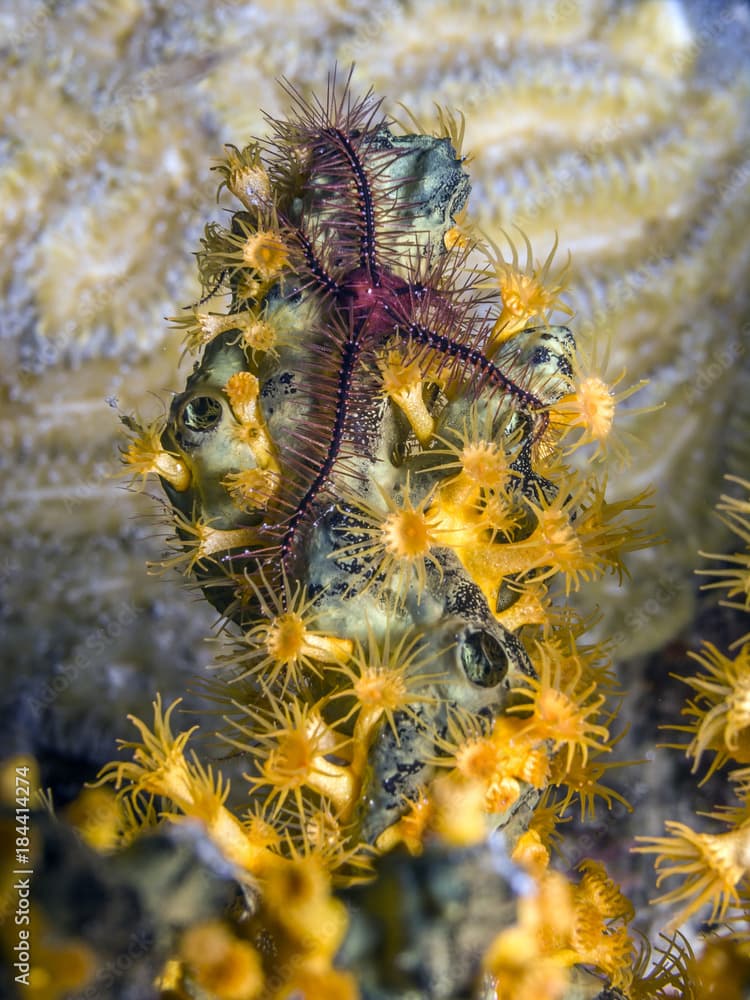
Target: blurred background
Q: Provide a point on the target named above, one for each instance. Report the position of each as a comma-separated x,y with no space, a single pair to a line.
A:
622,127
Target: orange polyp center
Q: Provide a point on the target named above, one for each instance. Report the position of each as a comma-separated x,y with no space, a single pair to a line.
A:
380,688
294,756
259,335
597,406
484,464
502,794
286,637
564,545
478,759
407,534
557,714
522,294
266,252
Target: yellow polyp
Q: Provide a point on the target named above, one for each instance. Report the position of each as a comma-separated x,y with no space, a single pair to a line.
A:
403,383
579,536
292,745
383,680
250,186
245,176
560,709
198,540
399,541
529,609
171,777
531,853
485,464
598,890
407,533
455,238
337,782
523,297
596,405
287,639
235,842
478,759
257,334
411,403
171,977
248,286
252,256
251,489
260,833
217,540
159,767
410,830
459,817
174,470
710,866
97,815
720,712
205,327
145,456
226,967
326,648
201,328
461,234
527,292
243,390
267,253
297,895
502,794
558,542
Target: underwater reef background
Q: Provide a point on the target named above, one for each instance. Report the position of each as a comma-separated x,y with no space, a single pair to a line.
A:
622,127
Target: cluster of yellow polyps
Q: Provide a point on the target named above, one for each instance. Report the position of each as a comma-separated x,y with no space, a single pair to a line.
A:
715,867
319,693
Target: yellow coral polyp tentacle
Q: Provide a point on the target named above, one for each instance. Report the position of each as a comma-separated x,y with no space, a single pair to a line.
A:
145,456
252,489
160,767
403,384
200,328
527,292
244,175
712,866
197,541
